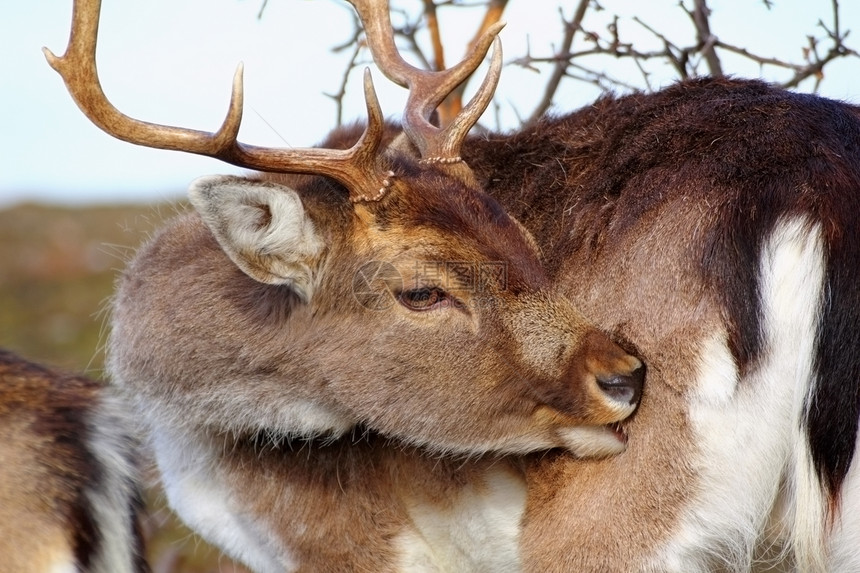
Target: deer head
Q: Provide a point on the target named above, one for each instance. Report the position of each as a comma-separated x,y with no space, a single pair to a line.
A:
386,289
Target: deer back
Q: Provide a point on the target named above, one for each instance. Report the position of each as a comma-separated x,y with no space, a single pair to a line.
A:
720,218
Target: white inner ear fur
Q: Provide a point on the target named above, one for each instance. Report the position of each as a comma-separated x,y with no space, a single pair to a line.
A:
262,227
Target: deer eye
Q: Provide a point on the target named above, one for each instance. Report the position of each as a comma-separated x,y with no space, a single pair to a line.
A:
423,298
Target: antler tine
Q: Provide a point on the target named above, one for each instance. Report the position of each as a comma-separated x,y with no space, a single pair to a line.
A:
78,70
455,132
428,89
357,168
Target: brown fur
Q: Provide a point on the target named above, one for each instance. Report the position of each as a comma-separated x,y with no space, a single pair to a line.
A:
653,230
658,203
344,356
652,216
48,470
342,506
208,355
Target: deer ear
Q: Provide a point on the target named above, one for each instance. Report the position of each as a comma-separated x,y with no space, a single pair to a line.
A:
263,228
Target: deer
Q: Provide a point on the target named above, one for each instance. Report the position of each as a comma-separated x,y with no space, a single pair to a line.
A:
720,217
710,229
69,488
240,323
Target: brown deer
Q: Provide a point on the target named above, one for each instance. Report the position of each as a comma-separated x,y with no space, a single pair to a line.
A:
712,227
731,256
69,496
242,320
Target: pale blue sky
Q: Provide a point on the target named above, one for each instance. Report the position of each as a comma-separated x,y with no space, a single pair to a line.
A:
171,61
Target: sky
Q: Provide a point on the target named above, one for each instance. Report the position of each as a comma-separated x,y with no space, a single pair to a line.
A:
172,62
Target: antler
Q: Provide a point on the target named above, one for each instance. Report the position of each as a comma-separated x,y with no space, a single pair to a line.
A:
358,168
428,89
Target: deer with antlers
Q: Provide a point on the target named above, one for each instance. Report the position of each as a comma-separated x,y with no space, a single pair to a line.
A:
711,229
240,323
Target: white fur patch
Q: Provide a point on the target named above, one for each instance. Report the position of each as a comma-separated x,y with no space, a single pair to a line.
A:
284,414
479,533
591,441
718,375
206,505
748,431
620,409
111,496
66,564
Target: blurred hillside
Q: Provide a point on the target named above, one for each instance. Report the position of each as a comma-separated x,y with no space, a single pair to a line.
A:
57,270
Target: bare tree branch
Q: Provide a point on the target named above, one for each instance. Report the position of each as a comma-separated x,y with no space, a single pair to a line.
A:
706,40
679,58
685,60
560,69
355,43
454,102
815,63
341,92
587,63
432,22
262,9
408,32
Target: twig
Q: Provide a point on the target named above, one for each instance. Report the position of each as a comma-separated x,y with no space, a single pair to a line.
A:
706,40
341,92
454,102
560,69
564,62
432,22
